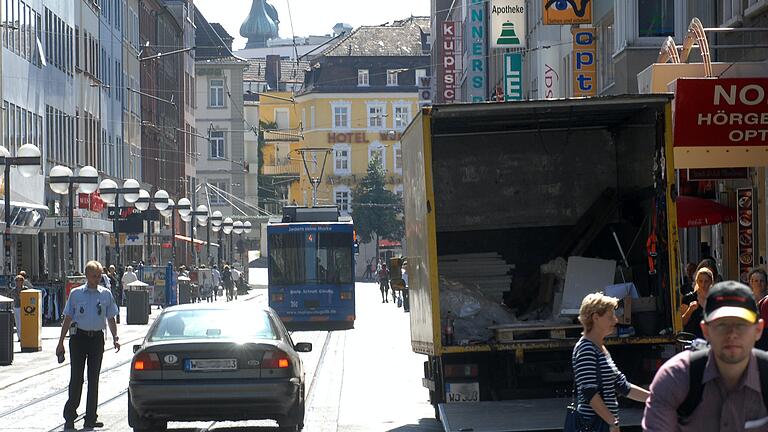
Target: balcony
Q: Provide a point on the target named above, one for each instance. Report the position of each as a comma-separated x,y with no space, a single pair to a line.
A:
281,166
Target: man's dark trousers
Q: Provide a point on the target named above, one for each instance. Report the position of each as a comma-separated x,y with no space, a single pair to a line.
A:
84,345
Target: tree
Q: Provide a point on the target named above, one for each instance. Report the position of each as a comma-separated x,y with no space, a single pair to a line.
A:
375,209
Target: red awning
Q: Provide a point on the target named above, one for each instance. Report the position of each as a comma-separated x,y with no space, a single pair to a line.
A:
695,212
388,243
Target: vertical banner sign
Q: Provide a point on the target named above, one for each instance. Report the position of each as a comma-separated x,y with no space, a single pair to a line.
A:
425,91
549,71
746,232
559,12
584,62
448,83
476,64
513,77
507,24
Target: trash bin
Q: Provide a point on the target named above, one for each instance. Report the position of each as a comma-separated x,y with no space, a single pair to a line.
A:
185,289
6,331
31,320
137,303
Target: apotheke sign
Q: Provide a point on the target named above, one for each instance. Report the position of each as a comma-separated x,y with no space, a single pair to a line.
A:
507,23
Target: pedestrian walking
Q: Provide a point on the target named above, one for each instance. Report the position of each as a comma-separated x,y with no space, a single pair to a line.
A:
216,276
598,380
27,282
117,292
368,274
383,276
89,310
226,277
235,279
692,308
129,276
757,281
721,388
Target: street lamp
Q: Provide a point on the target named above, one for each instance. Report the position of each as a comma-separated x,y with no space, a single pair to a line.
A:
110,193
237,228
168,212
62,181
200,217
226,227
246,230
27,163
160,201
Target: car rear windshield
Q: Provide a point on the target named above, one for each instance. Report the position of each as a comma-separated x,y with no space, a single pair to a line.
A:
213,324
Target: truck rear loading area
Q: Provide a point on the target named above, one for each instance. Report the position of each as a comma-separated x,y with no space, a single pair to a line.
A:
525,187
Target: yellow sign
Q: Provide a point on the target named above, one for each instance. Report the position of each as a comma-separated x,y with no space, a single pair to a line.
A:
560,12
584,62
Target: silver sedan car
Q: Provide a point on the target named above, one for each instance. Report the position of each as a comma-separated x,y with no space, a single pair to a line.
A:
216,362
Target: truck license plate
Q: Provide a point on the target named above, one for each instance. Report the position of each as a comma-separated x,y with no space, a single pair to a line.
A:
462,392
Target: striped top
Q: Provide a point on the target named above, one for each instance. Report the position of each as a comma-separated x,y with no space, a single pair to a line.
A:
589,359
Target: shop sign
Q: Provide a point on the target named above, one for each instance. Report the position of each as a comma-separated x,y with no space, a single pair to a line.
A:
448,83
721,112
559,12
507,23
347,137
549,70
706,174
746,232
425,91
92,202
513,77
477,88
584,62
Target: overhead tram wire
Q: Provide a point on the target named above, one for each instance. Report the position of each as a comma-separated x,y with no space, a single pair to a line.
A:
221,193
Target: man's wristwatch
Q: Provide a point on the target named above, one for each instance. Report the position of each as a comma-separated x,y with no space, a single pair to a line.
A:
616,422
115,338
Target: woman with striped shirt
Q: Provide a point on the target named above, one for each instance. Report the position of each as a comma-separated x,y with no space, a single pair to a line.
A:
598,380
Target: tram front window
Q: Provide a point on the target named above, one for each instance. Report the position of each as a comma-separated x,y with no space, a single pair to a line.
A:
311,258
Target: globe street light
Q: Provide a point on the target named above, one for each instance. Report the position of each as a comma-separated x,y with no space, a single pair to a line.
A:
200,217
216,219
160,201
237,228
27,162
62,181
226,228
110,193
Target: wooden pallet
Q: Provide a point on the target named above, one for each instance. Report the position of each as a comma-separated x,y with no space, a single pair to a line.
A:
536,332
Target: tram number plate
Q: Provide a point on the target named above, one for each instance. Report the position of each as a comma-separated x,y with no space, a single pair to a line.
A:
211,364
462,392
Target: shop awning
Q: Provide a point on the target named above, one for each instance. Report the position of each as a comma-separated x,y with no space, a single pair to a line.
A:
695,212
388,243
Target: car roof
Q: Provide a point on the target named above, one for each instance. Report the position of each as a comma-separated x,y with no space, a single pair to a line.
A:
216,306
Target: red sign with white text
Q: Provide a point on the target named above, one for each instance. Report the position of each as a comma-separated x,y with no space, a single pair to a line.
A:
92,202
721,112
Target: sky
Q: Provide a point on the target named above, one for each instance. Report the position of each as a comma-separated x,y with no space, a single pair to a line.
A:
312,17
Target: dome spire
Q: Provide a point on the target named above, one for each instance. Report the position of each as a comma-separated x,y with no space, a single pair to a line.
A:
261,25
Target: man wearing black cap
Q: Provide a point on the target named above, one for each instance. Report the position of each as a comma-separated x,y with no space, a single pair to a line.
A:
717,389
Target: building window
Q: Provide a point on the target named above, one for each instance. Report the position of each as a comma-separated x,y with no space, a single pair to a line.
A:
343,198
216,99
391,77
420,73
341,116
731,10
362,78
342,159
218,191
402,116
398,159
217,145
376,151
282,118
312,117
656,18
376,115
605,53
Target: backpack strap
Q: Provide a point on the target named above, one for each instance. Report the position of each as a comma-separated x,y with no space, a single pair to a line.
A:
762,367
698,362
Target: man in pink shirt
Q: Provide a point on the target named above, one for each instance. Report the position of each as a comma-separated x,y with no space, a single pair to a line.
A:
731,394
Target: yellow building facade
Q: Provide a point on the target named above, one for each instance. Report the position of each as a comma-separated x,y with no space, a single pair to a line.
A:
352,127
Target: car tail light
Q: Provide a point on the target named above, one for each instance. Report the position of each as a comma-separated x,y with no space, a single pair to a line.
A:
146,361
345,295
460,371
278,297
275,360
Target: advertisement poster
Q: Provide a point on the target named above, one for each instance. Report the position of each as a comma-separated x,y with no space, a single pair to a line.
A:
154,276
584,62
476,54
745,210
507,24
549,70
513,77
559,12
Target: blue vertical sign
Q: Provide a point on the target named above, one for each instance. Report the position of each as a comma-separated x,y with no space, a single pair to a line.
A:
476,65
513,77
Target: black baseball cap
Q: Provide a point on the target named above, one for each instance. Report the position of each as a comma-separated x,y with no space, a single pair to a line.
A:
731,299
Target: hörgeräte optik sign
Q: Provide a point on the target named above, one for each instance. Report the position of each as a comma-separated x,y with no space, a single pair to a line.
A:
507,23
559,12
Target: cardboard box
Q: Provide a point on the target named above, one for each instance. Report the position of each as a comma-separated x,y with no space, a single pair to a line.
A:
624,311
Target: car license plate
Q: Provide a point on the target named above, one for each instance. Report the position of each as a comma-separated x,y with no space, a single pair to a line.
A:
462,392
210,364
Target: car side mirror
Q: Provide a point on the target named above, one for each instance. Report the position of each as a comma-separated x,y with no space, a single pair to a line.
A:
303,347
136,348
